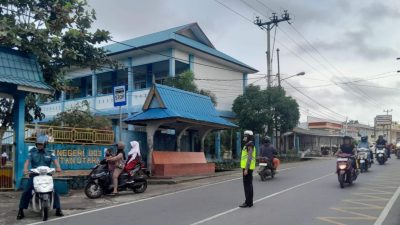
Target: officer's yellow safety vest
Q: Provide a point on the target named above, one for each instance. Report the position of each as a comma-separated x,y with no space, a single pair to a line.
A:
244,157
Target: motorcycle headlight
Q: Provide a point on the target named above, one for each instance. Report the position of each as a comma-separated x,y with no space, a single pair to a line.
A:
342,166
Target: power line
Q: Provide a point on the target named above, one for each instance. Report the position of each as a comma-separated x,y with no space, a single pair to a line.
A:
314,100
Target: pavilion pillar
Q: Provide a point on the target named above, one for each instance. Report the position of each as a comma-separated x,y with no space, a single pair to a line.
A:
151,129
179,137
19,130
203,134
218,146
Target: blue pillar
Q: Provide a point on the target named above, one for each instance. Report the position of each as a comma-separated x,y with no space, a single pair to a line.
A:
172,63
238,145
19,129
257,143
94,84
244,81
218,146
191,62
62,99
149,77
131,87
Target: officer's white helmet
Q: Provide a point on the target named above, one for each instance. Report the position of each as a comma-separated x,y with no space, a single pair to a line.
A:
248,132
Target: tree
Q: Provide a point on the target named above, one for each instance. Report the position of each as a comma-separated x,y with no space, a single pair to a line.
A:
185,81
59,34
32,112
56,32
81,116
257,109
252,110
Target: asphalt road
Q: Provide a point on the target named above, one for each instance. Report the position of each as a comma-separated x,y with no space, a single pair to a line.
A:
304,195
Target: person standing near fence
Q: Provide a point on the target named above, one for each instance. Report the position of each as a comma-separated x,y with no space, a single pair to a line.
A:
248,164
4,158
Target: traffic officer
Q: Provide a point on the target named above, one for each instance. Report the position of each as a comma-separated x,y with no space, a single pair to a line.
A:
248,164
38,156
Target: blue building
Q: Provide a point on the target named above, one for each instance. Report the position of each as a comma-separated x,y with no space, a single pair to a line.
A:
149,60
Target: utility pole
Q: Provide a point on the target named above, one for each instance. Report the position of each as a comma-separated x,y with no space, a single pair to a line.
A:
279,68
268,25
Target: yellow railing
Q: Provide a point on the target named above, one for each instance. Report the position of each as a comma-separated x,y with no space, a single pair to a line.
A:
69,135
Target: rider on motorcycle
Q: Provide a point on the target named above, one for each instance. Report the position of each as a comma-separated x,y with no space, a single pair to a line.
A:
348,148
365,144
267,150
38,156
382,142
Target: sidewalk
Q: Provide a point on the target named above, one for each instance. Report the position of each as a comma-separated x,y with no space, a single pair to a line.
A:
76,201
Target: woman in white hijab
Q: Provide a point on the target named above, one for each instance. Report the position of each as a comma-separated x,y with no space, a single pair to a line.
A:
134,157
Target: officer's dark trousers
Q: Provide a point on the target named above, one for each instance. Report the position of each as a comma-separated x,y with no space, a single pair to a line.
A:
27,196
248,187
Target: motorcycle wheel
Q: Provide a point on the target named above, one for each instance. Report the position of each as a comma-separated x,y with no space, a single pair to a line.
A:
341,179
142,188
45,210
272,173
381,162
93,190
262,177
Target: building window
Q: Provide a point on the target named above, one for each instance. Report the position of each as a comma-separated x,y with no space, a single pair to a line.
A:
140,85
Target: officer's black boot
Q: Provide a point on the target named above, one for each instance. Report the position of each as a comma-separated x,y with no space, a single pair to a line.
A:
21,214
59,212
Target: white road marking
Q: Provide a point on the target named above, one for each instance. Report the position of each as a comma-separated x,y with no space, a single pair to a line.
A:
387,208
261,199
145,199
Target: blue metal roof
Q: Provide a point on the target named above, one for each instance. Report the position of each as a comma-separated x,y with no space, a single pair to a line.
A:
180,104
21,69
172,35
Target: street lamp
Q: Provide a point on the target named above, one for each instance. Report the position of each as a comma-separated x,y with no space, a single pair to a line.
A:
298,74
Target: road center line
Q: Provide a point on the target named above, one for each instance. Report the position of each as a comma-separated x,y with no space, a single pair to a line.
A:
387,208
145,199
261,199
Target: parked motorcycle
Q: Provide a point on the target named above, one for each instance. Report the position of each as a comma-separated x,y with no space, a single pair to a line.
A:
344,169
266,168
43,190
381,156
364,159
100,181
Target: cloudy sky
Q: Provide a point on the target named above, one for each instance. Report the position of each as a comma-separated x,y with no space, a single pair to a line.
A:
348,49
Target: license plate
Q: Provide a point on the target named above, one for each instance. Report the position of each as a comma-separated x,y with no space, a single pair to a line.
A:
362,161
380,155
263,164
342,159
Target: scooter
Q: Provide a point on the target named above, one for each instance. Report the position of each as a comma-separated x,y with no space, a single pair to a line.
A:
364,159
266,168
344,169
100,180
43,190
381,155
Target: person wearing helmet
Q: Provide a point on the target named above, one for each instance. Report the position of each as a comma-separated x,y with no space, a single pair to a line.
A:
365,144
383,143
348,148
38,156
248,164
267,150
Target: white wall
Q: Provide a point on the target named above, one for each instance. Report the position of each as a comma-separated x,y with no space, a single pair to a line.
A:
226,91
181,55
